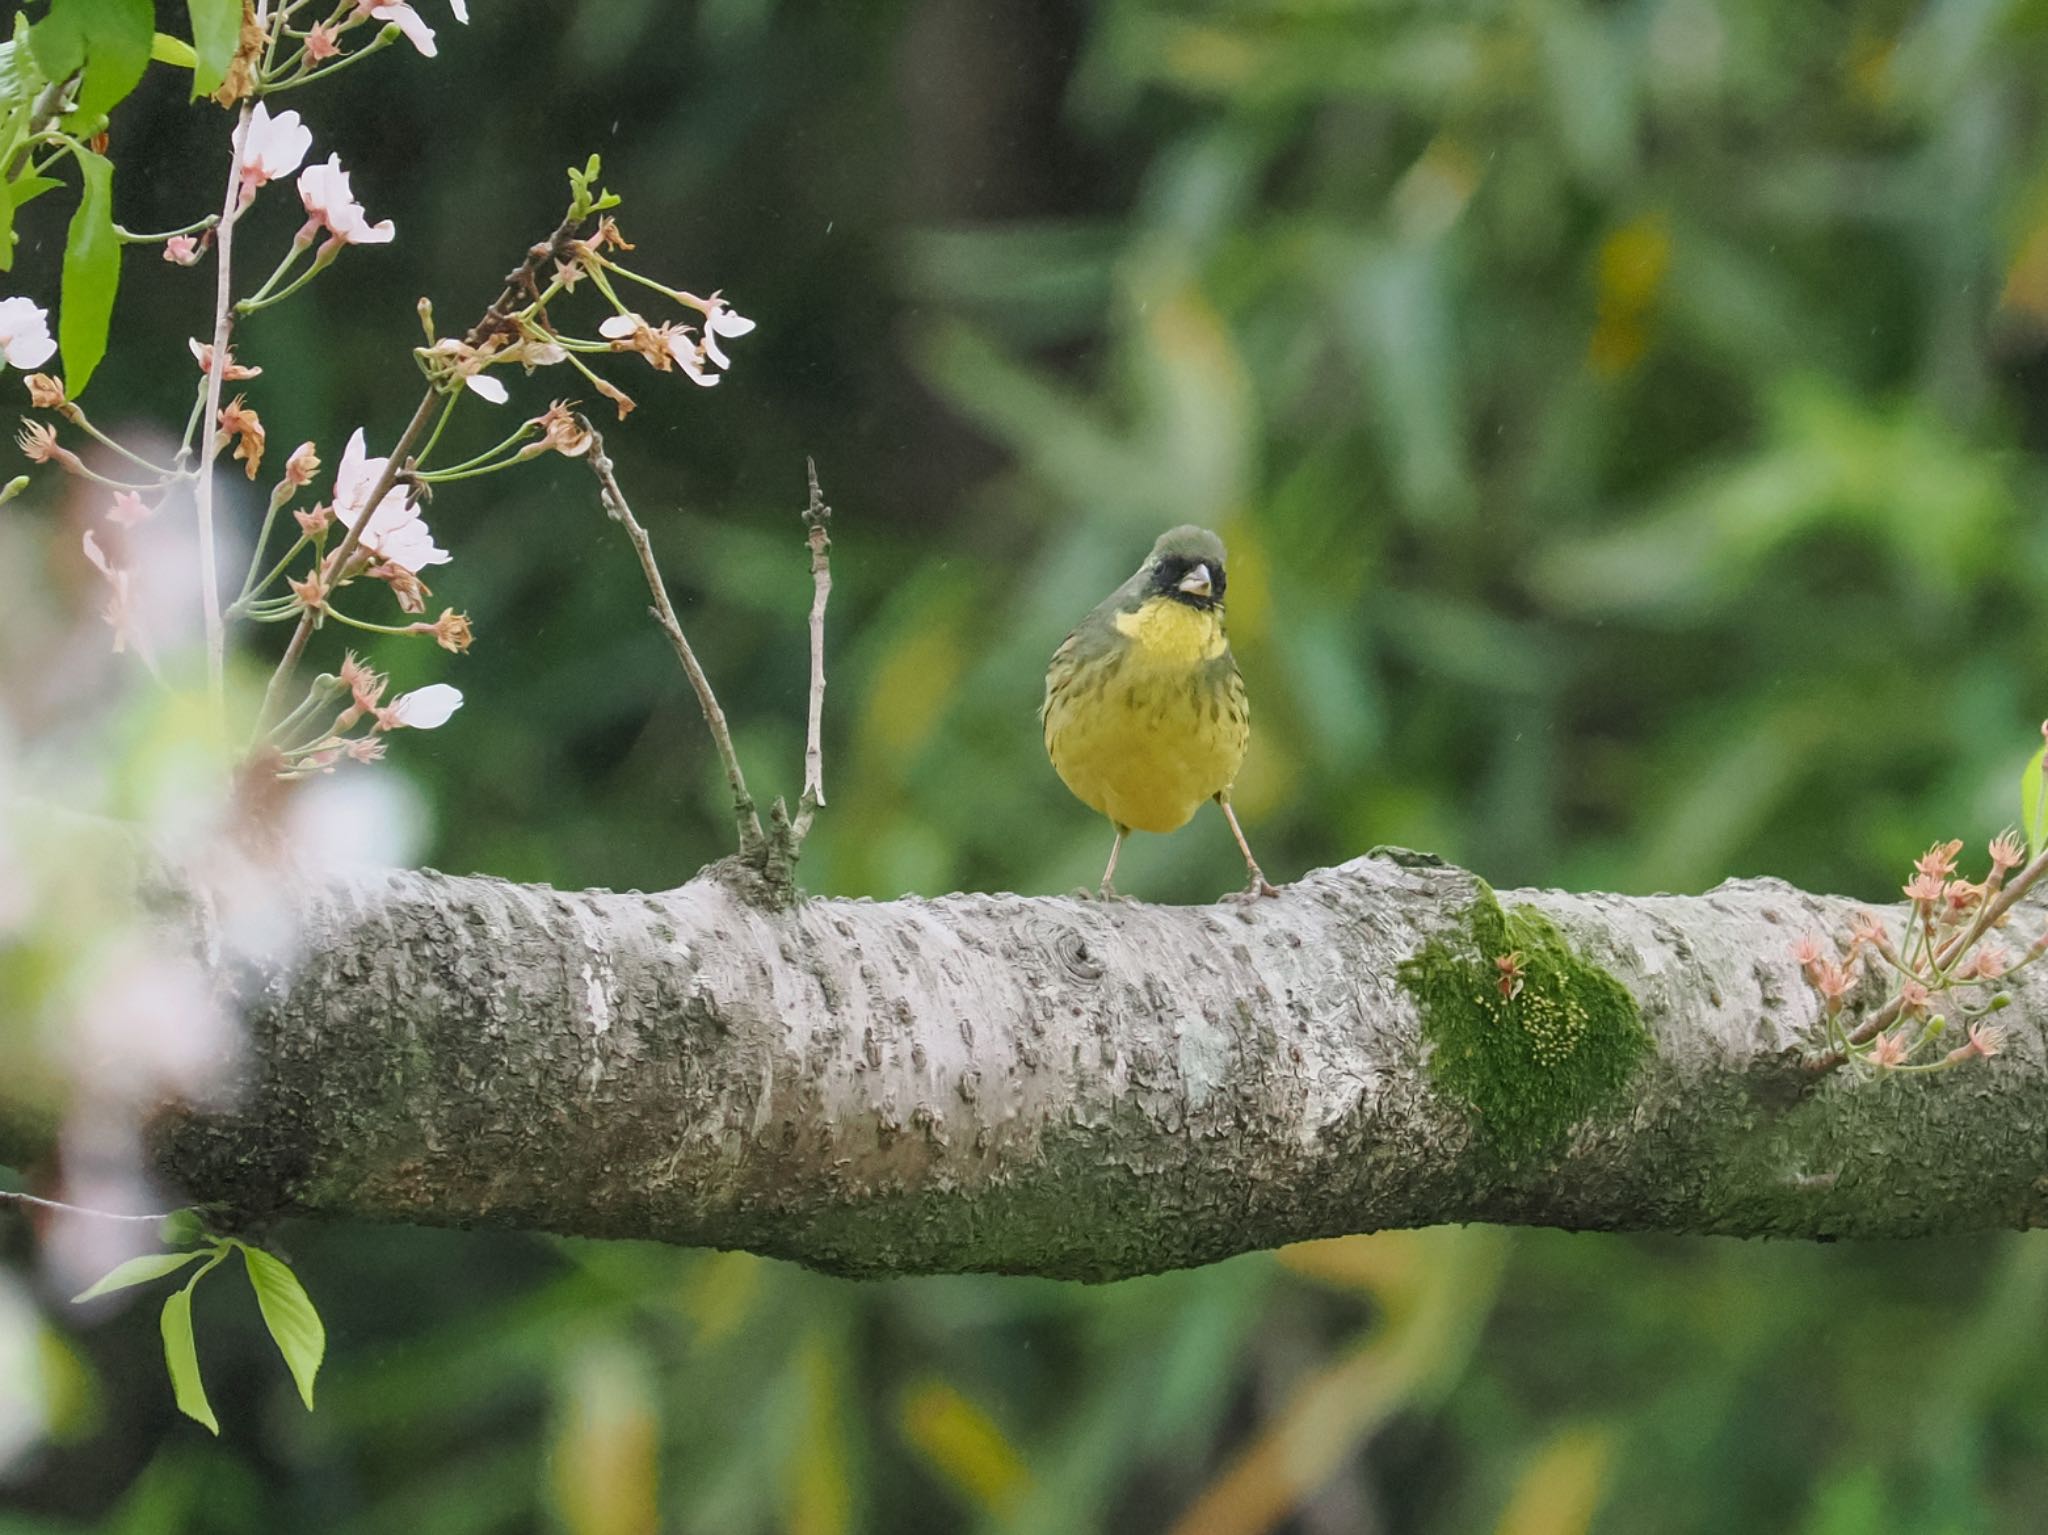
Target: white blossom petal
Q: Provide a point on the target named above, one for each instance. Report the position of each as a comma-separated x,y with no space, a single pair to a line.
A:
410,22
724,321
425,708
395,530
268,148
330,202
492,389
24,333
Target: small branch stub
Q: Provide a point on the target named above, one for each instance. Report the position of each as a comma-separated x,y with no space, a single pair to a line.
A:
816,516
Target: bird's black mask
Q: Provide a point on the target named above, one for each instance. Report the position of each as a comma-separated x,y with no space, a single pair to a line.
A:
1173,569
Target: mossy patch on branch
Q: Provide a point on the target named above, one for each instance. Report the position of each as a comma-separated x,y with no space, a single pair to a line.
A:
1534,1064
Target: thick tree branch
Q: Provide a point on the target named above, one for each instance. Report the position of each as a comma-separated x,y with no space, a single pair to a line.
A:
1060,1087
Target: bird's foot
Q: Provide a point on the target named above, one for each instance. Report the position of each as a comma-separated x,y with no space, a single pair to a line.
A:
1104,893
1258,890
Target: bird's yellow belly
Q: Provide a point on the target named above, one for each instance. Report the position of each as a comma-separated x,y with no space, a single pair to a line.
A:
1147,746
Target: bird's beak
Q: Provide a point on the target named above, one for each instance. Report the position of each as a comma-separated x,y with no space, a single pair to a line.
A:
1196,583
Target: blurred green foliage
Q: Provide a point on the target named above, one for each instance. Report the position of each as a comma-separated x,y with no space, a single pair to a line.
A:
1625,420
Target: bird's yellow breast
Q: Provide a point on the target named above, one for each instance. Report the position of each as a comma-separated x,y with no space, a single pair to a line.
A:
1155,723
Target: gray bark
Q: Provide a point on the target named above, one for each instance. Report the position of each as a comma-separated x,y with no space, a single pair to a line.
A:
1053,1086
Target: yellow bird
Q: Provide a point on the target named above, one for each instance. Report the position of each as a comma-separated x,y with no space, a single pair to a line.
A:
1145,714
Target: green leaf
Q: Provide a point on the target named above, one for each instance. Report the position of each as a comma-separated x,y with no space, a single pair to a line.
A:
109,40
29,188
166,49
180,1227
2031,815
581,203
288,1312
134,1272
92,271
181,1358
216,34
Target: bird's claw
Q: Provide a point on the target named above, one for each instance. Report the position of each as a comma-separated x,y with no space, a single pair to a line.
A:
1258,890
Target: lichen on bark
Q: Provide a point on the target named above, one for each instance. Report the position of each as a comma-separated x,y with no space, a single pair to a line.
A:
1533,1064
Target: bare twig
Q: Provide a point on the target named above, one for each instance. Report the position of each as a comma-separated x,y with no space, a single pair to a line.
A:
816,516
104,1215
664,614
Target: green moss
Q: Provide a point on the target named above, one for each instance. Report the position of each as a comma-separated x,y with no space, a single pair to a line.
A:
1535,1064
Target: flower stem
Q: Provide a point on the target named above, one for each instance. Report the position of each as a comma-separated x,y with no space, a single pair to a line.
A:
77,417
378,44
129,237
264,298
364,624
250,585
440,425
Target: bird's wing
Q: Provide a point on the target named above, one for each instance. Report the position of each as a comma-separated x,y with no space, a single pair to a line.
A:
1056,672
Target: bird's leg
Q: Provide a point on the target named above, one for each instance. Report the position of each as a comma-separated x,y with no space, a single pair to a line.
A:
1109,874
1259,884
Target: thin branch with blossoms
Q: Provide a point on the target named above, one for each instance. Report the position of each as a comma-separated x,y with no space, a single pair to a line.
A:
1941,951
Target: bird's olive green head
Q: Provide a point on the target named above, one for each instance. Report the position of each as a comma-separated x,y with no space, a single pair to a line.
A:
1186,565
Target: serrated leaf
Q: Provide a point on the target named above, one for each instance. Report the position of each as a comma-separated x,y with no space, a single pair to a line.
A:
2031,808
109,40
175,51
216,34
134,1272
92,271
181,1358
288,1312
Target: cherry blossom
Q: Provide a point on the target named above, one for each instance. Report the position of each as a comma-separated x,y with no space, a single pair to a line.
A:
561,431
202,353
25,334
663,346
722,320
330,204
492,389
181,250
410,22
117,610
269,148
395,530
424,708
300,468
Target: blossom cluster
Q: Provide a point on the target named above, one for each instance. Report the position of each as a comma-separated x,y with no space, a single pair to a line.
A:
371,529
1945,959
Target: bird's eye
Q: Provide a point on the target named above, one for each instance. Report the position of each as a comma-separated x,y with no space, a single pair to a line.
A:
1196,582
